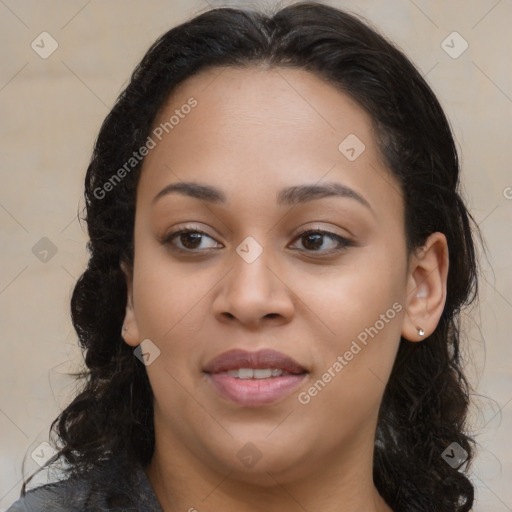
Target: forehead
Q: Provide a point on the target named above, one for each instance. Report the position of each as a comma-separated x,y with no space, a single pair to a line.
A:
259,128
269,98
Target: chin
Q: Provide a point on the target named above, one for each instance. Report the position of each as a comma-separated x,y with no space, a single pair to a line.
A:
255,460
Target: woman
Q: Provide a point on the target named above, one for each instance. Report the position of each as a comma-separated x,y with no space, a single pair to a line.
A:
279,254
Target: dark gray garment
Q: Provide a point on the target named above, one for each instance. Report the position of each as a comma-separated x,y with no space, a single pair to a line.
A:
113,486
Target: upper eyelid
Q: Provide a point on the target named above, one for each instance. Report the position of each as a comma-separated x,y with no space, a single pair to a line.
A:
194,229
197,228
182,230
330,234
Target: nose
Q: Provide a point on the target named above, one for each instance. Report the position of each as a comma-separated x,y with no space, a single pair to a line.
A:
254,294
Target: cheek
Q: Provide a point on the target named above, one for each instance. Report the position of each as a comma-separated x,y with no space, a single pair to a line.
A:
170,312
168,295
355,295
361,313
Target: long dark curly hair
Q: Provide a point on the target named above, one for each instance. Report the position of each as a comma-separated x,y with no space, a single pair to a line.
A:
426,401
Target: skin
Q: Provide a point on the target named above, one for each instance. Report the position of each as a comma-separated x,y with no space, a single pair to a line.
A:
254,131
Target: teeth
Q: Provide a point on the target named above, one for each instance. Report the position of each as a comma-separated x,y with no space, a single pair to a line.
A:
263,373
259,373
245,373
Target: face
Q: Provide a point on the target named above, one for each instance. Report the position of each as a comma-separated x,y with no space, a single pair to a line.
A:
273,304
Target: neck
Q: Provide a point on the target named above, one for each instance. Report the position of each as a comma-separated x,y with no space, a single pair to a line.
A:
184,483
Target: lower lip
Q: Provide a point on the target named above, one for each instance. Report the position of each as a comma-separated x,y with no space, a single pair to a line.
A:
254,392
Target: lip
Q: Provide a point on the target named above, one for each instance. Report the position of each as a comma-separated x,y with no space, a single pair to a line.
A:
233,359
254,392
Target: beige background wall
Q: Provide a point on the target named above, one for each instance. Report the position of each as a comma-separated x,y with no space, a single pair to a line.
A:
51,110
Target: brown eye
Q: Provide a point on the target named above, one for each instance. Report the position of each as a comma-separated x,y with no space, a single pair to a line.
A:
314,241
189,240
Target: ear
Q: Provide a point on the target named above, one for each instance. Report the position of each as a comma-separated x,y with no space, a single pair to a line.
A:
426,288
130,330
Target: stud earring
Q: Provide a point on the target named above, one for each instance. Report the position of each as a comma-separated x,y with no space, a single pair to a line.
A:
421,332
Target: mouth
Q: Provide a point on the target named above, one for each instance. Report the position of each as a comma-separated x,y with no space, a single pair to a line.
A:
254,378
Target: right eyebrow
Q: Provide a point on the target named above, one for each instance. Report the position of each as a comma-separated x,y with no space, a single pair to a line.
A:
197,190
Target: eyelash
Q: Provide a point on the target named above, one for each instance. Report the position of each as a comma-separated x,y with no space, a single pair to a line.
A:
342,242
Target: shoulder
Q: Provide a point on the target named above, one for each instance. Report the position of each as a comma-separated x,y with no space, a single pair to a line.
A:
66,496
107,488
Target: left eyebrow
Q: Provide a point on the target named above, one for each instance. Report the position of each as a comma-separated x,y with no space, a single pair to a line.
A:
303,193
287,196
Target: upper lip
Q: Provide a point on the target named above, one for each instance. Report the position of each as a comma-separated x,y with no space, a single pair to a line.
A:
234,359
